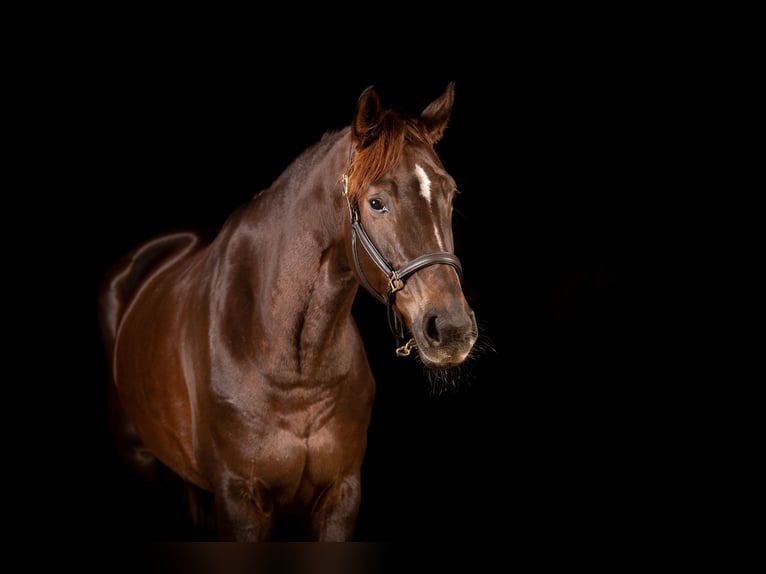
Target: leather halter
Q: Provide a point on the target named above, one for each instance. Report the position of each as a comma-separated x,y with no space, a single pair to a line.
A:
396,277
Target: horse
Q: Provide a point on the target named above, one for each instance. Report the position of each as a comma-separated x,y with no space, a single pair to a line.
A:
234,357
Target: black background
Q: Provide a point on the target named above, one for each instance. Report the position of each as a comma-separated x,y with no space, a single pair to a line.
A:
578,152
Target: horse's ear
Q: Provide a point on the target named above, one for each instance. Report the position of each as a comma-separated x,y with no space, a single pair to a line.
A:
437,115
366,125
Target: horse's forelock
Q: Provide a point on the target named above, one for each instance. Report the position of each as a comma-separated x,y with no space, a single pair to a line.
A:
371,162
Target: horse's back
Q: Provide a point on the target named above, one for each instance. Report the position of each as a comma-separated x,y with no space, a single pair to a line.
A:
125,279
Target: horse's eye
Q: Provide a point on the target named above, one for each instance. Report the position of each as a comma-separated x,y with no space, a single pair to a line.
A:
378,205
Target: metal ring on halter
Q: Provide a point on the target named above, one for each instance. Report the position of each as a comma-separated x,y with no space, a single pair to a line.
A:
405,349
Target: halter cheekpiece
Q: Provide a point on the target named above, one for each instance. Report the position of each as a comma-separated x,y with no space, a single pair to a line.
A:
396,277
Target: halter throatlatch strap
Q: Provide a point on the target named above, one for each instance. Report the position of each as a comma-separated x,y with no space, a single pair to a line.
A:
396,277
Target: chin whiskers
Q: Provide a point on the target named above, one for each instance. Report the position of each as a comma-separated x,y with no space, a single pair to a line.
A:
450,380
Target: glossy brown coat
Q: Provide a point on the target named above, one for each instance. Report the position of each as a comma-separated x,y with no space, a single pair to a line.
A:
235,358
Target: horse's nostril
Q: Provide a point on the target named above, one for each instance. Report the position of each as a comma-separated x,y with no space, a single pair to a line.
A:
430,328
448,329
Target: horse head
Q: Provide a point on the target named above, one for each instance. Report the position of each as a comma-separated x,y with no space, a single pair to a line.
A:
400,200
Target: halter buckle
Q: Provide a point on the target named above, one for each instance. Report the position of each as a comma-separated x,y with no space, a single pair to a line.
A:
353,212
394,283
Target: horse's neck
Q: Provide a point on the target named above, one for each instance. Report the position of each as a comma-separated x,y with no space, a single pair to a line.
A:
289,286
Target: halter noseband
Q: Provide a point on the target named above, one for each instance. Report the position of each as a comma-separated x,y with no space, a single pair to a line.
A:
395,277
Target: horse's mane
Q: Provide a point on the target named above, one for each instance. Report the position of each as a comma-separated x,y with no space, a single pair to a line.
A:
371,162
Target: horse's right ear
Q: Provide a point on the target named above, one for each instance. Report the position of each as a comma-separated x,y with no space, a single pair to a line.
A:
436,116
366,125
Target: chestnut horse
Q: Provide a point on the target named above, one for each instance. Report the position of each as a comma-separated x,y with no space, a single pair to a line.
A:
235,359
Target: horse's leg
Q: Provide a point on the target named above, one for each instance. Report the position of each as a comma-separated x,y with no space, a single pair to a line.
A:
244,511
334,516
129,446
200,511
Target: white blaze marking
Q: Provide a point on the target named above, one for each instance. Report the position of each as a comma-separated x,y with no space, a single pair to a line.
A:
425,182
425,191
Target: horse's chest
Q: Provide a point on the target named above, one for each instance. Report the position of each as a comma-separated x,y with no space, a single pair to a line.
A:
292,450
292,463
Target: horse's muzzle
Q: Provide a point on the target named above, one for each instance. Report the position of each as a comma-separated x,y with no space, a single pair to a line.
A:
445,338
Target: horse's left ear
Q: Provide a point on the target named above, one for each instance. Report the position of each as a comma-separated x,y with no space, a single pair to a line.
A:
366,125
437,115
